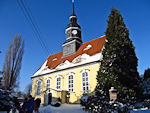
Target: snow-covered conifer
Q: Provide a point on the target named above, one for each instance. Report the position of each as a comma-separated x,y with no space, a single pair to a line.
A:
119,64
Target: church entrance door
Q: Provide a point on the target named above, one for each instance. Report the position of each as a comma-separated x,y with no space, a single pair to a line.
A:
49,98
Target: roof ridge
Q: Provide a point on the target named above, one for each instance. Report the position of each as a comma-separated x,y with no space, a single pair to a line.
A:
95,39
55,54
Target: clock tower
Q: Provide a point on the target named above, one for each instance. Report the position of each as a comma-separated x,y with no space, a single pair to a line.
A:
73,36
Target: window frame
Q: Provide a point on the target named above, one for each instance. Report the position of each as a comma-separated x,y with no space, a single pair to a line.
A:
86,80
60,82
72,79
47,84
38,88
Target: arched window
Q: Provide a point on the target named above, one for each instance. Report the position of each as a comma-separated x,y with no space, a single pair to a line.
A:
70,82
58,82
38,90
85,81
47,83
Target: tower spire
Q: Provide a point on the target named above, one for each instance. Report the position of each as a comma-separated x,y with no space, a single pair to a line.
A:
73,8
73,35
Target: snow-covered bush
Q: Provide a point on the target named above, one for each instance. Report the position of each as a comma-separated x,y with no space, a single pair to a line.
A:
145,98
96,104
146,103
146,87
56,104
5,100
84,99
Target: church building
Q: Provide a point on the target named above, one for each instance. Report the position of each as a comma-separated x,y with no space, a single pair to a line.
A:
69,74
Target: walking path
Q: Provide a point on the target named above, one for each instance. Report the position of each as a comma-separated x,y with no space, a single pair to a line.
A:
74,108
64,108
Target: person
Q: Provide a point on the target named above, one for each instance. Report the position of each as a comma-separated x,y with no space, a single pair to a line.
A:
16,106
67,98
24,106
30,104
37,105
59,99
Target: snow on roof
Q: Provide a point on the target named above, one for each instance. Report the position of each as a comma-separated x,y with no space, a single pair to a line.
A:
88,52
95,46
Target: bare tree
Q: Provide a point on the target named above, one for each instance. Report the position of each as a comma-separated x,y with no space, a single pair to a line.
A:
12,64
28,89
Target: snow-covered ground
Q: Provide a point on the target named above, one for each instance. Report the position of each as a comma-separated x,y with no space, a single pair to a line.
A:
74,108
64,108
141,111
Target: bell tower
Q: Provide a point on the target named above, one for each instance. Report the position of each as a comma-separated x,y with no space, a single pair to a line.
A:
73,36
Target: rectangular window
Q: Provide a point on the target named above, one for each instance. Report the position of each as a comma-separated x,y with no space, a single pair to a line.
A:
85,82
47,84
70,83
38,91
58,84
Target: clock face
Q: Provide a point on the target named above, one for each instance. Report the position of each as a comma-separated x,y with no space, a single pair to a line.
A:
74,32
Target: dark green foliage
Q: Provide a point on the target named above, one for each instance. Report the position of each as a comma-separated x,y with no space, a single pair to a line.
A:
97,104
0,82
5,98
147,74
118,69
119,65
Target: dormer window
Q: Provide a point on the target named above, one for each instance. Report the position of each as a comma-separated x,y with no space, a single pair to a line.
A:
77,60
87,47
45,68
54,59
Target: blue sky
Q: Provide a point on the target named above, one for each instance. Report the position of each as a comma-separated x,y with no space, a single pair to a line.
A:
52,18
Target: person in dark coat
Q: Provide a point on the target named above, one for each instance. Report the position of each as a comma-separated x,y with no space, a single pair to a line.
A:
24,106
37,104
16,105
30,104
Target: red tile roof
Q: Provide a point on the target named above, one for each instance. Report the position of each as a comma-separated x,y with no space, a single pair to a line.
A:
96,47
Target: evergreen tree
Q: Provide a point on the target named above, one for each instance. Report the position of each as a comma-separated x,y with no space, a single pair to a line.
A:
147,74
5,98
118,69
145,84
0,82
119,64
